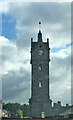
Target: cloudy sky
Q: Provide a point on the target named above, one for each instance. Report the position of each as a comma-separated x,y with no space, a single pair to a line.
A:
19,24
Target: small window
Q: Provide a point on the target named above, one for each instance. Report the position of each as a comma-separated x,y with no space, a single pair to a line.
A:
40,84
40,67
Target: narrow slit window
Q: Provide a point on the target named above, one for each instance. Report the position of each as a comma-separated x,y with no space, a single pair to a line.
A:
40,67
40,84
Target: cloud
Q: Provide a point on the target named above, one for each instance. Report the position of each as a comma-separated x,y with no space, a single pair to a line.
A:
60,76
15,71
56,26
3,7
13,58
14,84
55,18
63,53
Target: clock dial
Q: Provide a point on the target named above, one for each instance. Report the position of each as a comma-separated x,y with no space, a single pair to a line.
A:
40,52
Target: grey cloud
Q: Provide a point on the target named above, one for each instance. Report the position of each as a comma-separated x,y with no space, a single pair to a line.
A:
27,18
72,73
7,51
61,67
66,96
60,77
29,14
53,12
14,84
72,53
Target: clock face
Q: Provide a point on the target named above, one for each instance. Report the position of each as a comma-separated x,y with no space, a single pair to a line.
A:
40,52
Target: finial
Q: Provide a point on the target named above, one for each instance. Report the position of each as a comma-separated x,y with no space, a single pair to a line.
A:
40,34
39,22
31,39
39,26
48,40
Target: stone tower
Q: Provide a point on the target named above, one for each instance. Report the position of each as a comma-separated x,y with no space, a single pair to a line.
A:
40,58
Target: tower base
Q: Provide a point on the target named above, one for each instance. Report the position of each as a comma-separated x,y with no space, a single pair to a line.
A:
37,107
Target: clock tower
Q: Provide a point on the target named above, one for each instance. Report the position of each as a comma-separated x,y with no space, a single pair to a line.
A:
40,57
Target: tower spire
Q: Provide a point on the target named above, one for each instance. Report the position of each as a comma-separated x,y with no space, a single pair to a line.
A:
39,34
39,26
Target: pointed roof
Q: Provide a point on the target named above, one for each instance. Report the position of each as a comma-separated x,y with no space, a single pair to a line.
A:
39,34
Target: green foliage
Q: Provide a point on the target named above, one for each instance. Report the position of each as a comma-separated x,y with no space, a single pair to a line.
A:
17,110
19,114
25,109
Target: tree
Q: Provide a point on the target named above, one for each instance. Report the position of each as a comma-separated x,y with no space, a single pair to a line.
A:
14,107
19,114
25,109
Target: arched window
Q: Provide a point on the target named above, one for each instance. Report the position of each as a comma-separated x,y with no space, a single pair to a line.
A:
40,84
40,67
